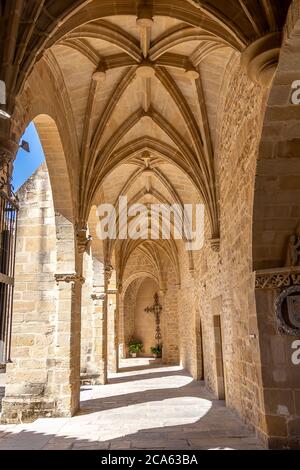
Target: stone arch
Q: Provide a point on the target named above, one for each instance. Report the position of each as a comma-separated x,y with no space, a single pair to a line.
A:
138,275
276,212
127,307
48,106
57,165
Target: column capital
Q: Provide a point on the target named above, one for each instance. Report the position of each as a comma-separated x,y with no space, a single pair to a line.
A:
83,240
69,278
112,291
98,297
8,150
260,59
108,270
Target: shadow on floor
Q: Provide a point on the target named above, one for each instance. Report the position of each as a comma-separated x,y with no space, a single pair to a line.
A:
210,432
151,374
153,364
181,416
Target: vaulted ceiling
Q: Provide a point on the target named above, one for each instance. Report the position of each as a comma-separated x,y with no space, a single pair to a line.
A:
143,80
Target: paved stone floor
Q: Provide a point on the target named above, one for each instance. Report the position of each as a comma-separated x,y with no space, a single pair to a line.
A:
146,406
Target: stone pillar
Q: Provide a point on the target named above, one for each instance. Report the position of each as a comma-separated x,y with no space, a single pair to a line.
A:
122,344
97,364
64,374
99,352
112,319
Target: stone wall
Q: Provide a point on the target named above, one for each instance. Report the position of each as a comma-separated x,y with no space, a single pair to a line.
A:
43,379
35,297
276,219
144,323
222,283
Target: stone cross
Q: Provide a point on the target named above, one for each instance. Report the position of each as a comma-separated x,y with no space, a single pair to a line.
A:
156,308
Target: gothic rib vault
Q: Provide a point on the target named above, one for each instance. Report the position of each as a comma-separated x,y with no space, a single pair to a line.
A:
163,103
160,75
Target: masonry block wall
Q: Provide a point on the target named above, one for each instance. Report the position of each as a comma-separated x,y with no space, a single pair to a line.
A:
35,300
223,283
276,218
228,282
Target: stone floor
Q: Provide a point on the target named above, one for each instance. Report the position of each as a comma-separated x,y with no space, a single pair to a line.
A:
146,406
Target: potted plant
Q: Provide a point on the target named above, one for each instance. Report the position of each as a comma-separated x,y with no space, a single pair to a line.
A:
135,347
156,351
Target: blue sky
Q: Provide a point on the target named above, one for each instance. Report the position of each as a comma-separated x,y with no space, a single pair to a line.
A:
26,163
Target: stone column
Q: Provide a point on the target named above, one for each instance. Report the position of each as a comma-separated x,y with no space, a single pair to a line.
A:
122,343
112,319
64,375
99,351
95,359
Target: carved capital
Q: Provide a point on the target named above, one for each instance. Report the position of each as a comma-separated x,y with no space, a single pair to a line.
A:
277,278
69,278
8,150
112,291
83,240
98,297
260,59
108,270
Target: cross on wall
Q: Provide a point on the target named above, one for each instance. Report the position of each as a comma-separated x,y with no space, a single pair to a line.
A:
156,309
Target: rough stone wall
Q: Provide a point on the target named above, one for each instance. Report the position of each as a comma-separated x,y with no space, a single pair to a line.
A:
276,217
35,290
222,284
43,379
226,278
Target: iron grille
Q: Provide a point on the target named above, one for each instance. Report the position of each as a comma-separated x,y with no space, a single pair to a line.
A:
8,231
